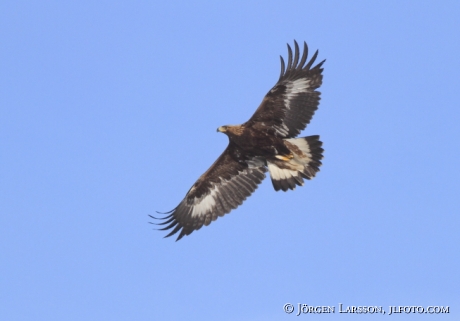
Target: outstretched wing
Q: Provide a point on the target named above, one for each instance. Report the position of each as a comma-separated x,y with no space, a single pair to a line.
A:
289,106
223,187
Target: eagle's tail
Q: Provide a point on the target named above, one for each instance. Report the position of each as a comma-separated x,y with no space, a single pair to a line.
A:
287,172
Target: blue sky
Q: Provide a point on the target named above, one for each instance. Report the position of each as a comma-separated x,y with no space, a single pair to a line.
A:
108,113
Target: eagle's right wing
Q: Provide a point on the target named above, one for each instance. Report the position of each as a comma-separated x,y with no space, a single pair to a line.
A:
289,106
223,187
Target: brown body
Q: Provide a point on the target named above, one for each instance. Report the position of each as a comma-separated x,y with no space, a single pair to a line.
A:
255,142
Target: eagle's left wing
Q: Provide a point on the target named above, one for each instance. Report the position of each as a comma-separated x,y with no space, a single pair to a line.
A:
289,106
223,187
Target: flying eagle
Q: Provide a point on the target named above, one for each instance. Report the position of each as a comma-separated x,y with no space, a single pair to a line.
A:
266,141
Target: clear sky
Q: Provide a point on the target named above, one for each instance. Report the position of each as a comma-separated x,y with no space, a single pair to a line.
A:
108,113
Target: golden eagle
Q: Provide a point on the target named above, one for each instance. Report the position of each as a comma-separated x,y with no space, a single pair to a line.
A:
265,141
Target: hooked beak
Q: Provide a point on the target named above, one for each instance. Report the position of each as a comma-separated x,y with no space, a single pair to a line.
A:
221,129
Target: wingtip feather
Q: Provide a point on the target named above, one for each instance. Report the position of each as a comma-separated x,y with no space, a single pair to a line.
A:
296,55
304,55
312,60
282,67
289,57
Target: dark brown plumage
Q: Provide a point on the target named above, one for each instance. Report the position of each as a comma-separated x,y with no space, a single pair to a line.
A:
265,142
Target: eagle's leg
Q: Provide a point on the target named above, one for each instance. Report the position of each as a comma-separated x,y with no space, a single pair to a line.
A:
285,158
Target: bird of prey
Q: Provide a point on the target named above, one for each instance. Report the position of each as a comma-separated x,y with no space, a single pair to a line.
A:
265,142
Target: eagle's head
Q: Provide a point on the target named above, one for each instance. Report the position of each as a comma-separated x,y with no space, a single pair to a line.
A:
222,129
231,130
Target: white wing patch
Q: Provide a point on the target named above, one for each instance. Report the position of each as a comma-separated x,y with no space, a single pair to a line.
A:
293,88
205,204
